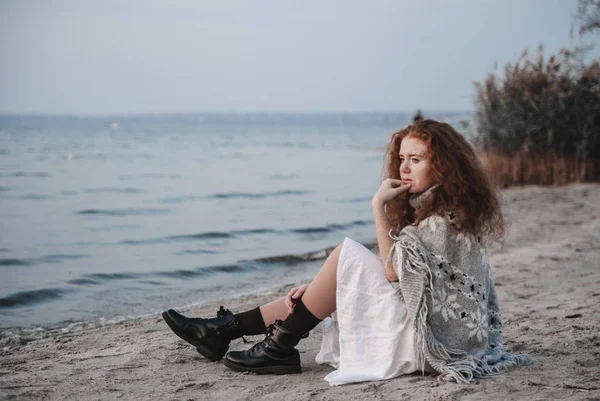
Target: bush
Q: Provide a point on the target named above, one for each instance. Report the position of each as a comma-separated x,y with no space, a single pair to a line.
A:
540,123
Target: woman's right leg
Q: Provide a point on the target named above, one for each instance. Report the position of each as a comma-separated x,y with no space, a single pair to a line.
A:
276,310
319,298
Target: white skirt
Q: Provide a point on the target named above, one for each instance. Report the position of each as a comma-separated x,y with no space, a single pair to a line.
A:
369,337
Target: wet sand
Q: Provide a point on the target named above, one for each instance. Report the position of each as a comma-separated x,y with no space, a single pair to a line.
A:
548,281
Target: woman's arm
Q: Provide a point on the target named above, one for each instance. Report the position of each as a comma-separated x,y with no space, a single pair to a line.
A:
388,190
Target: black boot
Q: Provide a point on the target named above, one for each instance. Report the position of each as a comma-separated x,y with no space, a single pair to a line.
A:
274,355
211,337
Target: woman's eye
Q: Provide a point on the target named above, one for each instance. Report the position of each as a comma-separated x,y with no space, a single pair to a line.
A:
415,160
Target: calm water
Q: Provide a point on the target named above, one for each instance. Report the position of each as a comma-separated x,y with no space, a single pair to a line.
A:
106,218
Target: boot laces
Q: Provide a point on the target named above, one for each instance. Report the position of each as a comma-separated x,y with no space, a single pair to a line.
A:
268,335
222,311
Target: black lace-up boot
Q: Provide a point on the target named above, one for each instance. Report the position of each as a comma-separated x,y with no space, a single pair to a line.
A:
211,337
274,355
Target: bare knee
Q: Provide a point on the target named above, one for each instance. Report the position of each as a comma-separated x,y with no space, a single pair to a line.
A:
337,250
334,256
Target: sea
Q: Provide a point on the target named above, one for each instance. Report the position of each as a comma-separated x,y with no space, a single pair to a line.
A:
104,219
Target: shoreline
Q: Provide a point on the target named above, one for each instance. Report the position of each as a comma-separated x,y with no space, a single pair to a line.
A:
16,336
548,281
23,335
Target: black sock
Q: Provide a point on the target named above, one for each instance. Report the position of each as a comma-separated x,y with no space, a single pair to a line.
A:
251,322
302,320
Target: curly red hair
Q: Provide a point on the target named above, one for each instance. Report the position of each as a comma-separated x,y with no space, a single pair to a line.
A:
464,189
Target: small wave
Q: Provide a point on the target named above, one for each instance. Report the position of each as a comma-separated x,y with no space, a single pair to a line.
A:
255,231
151,282
4,189
34,196
31,297
195,252
40,260
248,195
356,223
98,278
287,192
329,228
221,234
26,174
182,273
112,276
3,152
314,230
123,212
229,268
143,241
83,281
207,235
180,238
204,271
127,190
230,195
14,262
293,259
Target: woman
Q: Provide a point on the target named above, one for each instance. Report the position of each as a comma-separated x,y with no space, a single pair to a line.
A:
431,306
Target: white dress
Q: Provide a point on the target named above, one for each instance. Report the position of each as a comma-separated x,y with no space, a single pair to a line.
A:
369,337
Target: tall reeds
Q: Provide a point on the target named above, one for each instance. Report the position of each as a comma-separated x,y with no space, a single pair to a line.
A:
540,122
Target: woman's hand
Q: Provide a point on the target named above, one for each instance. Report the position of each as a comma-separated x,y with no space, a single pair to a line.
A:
292,296
389,189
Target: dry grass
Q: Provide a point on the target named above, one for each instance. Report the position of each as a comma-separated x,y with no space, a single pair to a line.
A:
526,168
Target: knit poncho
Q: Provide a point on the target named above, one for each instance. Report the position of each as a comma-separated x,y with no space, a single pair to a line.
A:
447,287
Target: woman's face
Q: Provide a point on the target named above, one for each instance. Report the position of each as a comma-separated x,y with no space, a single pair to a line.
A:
415,164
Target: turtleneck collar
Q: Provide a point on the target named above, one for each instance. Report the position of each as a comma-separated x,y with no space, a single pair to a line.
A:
416,200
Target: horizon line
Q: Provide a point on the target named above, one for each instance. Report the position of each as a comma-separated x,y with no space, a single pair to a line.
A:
233,112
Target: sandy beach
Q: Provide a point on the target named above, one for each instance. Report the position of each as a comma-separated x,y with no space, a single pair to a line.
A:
548,281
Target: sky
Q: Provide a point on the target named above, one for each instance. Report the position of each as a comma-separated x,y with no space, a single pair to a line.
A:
147,56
